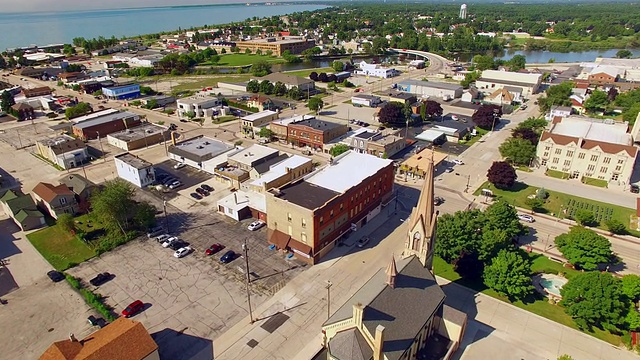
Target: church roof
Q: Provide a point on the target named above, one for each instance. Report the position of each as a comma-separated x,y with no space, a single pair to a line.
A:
424,213
350,344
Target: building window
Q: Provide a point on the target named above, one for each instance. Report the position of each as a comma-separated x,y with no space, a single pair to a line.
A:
289,217
619,168
304,223
606,160
570,153
303,237
555,160
547,148
341,207
331,213
594,158
546,154
581,156
543,163
620,161
558,151
591,168
63,201
321,220
567,162
290,230
604,169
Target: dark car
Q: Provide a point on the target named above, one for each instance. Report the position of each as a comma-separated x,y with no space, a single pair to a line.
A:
101,279
173,127
94,321
438,200
202,192
213,249
196,196
228,257
206,187
635,188
133,308
55,276
178,244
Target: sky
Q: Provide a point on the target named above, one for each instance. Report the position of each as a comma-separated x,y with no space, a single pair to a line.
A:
67,5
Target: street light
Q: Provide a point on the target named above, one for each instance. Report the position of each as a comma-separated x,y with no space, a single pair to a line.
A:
328,287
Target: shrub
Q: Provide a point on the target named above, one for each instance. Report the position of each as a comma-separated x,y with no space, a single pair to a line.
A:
585,218
615,226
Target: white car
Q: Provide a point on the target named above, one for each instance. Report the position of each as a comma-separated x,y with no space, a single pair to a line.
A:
169,241
525,217
162,238
256,225
179,165
457,162
182,252
175,184
363,241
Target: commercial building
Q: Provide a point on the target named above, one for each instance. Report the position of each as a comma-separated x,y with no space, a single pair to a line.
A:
309,216
281,173
239,164
200,105
365,100
22,209
161,100
290,81
37,91
492,80
605,75
104,125
376,144
63,150
123,92
277,45
314,133
280,127
252,123
138,137
55,200
416,323
591,148
242,204
202,153
375,70
135,170
123,339
440,90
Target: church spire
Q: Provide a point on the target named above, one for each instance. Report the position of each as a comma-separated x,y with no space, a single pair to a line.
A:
392,272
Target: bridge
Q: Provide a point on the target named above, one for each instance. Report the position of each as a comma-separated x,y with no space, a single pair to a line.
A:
437,63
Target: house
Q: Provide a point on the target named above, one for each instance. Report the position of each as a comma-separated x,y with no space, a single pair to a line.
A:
252,123
418,165
314,133
365,100
138,137
56,200
123,339
309,216
591,148
63,150
402,97
469,95
123,92
415,318
100,125
558,111
500,97
491,80
577,103
261,103
82,188
24,111
199,106
22,209
70,77
202,153
440,90
290,81
135,170
375,70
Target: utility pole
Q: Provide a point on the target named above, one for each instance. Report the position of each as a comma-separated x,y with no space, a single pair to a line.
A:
245,248
166,218
104,156
468,180
328,287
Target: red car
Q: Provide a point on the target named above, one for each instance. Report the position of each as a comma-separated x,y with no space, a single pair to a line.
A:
133,308
213,249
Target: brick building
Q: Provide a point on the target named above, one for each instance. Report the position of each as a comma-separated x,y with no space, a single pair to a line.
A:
295,45
104,125
314,133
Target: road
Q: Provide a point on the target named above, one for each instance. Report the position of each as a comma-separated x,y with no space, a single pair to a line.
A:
437,63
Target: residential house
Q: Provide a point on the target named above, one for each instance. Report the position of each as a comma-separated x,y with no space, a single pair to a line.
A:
123,339
500,97
69,77
56,200
577,103
22,209
252,123
135,170
24,111
314,133
290,81
82,188
37,91
63,150
491,80
402,97
418,165
558,111
261,103
469,95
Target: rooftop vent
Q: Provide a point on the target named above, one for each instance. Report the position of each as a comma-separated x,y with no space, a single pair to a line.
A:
207,143
200,147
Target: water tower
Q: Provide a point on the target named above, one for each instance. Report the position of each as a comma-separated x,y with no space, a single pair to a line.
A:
463,11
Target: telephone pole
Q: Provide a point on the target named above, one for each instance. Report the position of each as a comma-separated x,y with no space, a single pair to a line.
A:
328,287
245,248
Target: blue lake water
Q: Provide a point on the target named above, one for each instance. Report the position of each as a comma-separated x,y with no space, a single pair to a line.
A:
539,57
42,28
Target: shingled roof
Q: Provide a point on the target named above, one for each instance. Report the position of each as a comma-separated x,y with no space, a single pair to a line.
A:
48,192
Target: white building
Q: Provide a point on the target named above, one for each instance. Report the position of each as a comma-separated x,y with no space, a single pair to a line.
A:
592,148
242,204
254,122
200,105
558,111
375,70
492,80
63,150
202,153
441,90
365,100
135,170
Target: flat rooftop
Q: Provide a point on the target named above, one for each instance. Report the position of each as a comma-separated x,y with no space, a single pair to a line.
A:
431,84
251,154
56,140
104,119
366,97
94,115
197,100
608,131
200,149
305,194
318,124
293,119
133,161
139,132
259,115
280,169
240,199
274,40
347,171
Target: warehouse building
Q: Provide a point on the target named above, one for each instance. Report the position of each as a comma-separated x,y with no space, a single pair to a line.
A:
138,137
440,90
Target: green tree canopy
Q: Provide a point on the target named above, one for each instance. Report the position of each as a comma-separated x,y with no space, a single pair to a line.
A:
459,233
339,149
114,206
392,113
80,109
584,248
556,95
260,68
594,299
624,54
509,274
598,101
518,151
316,104
631,286
66,222
518,62
337,66
503,216
7,101
265,133
253,86
535,124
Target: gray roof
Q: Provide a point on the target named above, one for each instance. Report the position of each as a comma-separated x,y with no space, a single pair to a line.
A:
403,310
105,119
432,84
366,97
350,344
317,124
264,167
76,183
307,195
133,161
286,79
506,82
200,148
514,89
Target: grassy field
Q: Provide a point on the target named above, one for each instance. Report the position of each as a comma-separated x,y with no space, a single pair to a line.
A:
244,60
61,249
305,73
211,81
557,202
536,304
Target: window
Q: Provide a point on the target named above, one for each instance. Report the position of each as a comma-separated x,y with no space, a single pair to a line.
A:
547,148
331,213
604,169
614,177
556,160
303,237
590,168
594,158
546,154
619,168
304,223
341,207
558,151
570,153
289,217
63,201
543,163
606,160
620,161
581,156
321,220
567,162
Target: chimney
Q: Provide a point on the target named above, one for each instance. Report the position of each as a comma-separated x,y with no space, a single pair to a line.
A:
72,337
392,272
235,198
378,341
357,315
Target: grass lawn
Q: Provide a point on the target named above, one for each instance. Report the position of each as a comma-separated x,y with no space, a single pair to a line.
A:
536,304
211,81
224,119
244,60
479,134
594,182
305,73
558,202
61,249
557,174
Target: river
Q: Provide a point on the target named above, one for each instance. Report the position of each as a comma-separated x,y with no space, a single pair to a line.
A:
539,57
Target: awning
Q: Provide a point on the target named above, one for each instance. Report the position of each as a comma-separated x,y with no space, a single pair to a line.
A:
279,239
300,248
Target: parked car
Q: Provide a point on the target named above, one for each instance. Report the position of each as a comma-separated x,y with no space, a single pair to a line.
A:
438,200
175,184
55,276
256,225
94,321
228,257
635,188
178,244
448,170
155,231
213,249
527,218
195,196
169,181
169,241
101,279
162,237
182,252
133,308
207,187
363,241
202,192
457,162
523,107
179,165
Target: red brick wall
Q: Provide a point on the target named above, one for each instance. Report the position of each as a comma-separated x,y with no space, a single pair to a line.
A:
104,129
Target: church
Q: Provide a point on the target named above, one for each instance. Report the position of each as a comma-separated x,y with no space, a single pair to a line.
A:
400,313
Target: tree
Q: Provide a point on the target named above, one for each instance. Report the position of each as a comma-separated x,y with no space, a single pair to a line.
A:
80,109
518,151
509,274
502,175
484,62
557,95
190,114
526,134
392,113
294,93
113,205
253,86
152,104
535,124
7,101
266,87
265,133
585,217
316,104
624,54
432,109
518,62
279,88
565,357
337,66
503,216
323,77
338,149
97,93
459,234
492,242
597,101
68,50
66,223
487,116
615,226
260,68
3,62
630,286
584,248
313,76
594,299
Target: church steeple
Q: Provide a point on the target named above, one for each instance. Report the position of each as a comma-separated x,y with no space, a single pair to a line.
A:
392,272
422,223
